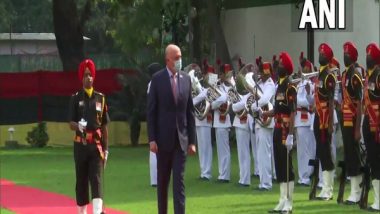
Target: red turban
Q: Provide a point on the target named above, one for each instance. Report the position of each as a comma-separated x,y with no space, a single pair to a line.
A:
326,50
374,51
87,63
351,50
286,62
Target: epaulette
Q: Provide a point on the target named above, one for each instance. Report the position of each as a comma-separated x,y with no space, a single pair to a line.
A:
99,93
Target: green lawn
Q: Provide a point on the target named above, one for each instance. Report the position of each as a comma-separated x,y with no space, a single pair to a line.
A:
127,183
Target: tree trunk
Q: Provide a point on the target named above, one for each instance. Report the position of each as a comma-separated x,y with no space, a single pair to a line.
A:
222,52
196,53
68,29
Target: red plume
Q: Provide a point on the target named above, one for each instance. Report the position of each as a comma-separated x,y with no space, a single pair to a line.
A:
240,62
301,56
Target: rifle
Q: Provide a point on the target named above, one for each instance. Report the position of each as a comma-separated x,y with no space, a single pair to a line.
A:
314,178
366,183
342,182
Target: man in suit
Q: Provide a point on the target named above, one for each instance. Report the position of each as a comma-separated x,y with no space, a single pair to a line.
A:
171,127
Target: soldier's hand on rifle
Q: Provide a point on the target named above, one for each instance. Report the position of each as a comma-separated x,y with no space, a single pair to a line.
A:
289,142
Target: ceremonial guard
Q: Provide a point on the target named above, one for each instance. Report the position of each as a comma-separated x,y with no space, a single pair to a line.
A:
89,118
371,124
324,119
284,112
203,128
306,146
264,126
222,123
352,84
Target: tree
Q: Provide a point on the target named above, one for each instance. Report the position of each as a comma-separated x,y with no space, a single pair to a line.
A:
68,29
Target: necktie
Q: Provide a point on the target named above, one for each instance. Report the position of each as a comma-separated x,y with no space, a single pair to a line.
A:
174,88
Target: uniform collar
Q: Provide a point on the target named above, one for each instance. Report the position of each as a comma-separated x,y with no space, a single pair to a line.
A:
322,68
89,92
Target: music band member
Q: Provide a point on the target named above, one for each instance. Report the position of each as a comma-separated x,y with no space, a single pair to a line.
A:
306,145
264,126
203,128
222,124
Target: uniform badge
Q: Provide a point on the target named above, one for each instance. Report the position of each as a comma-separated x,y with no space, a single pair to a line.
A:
280,96
98,106
81,103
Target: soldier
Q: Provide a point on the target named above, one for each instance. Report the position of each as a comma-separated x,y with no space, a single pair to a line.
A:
264,127
352,112
324,118
222,124
371,125
306,146
284,112
89,118
203,128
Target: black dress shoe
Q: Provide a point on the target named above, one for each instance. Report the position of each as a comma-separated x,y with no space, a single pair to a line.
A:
262,189
154,185
324,198
274,211
243,185
204,179
223,181
347,202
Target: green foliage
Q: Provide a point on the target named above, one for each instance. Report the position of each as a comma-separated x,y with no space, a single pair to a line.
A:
26,16
38,137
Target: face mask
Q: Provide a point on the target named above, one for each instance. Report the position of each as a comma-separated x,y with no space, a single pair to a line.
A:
347,60
370,62
178,65
322,60
281,72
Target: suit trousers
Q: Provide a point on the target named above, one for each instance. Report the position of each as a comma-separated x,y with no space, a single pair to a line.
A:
171,162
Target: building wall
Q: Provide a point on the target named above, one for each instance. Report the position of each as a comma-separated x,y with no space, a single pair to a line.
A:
264,31
22,47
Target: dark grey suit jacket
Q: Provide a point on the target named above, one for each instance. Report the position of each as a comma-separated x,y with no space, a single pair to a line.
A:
164,116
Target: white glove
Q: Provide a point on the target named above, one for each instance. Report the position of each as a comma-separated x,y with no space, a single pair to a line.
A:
203,93
219,101
106,155
289,142
255,107
222,98
82,125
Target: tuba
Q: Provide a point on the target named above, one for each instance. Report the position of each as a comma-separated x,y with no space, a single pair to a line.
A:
251,80
202,108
